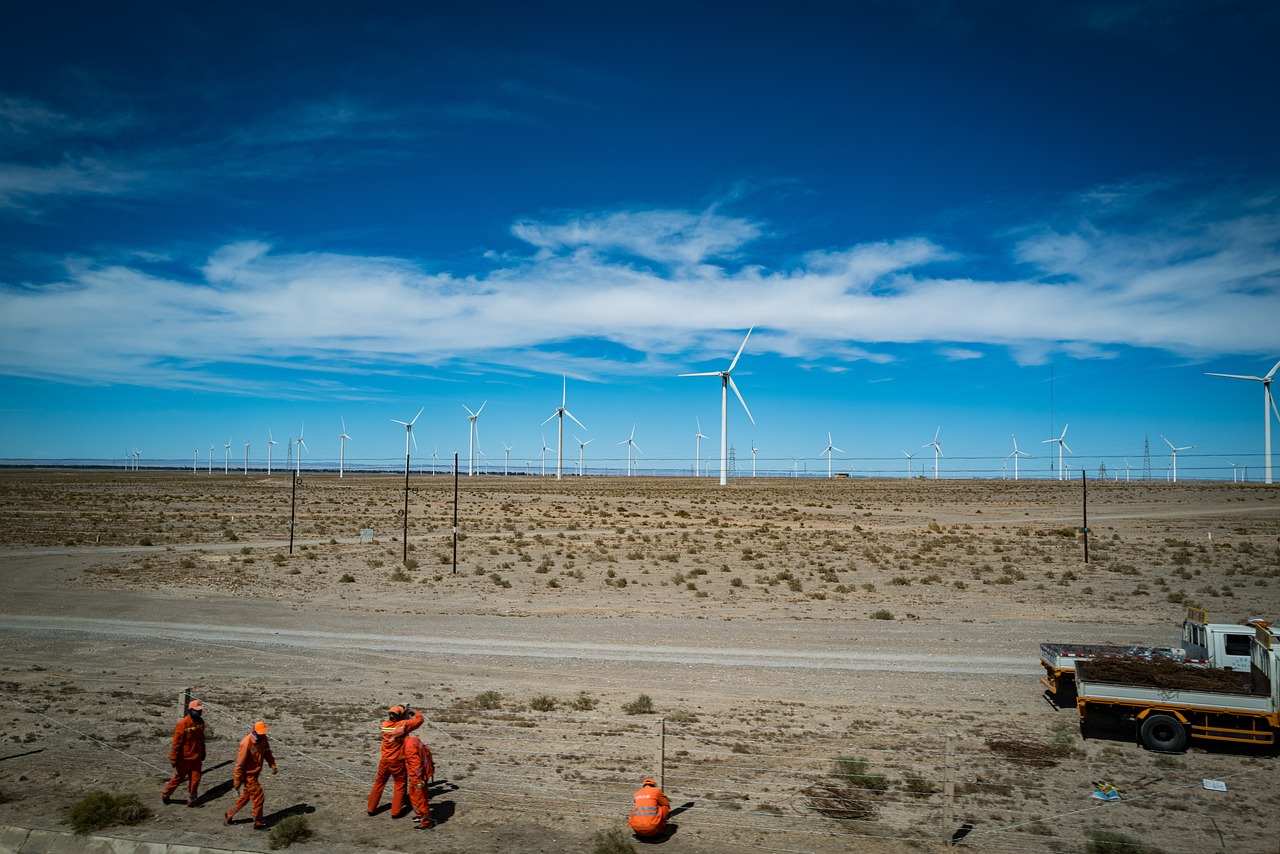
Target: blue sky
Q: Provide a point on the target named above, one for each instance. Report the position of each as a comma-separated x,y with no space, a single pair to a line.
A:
991,218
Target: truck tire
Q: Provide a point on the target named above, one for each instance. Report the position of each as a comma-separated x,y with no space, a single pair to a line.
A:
1164,733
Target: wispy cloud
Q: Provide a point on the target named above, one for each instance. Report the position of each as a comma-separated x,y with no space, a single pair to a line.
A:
659,285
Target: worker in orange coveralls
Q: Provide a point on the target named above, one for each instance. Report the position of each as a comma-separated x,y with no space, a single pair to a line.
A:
649,815
255,749
421,768
186,753
399,723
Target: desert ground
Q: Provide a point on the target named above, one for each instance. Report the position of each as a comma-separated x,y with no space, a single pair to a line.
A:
782,630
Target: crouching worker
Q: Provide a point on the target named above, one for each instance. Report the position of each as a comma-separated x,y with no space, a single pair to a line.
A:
649,815
421,768
186,754
255,750
399,723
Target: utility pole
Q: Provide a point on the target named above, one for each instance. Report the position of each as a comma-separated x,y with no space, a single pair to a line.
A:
455,512
1146,458
1084,501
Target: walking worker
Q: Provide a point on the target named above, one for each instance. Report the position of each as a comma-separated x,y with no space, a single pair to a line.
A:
255,749
399,723
649,815
186,754
421,768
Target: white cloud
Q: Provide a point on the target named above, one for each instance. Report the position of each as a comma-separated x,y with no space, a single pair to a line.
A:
661,284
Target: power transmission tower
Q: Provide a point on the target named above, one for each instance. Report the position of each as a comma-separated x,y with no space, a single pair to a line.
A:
1146,458
733,462
288,466
1102,471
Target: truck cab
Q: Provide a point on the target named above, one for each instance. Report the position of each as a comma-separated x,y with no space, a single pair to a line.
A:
1225,646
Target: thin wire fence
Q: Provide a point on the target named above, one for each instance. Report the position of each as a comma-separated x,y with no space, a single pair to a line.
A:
772,788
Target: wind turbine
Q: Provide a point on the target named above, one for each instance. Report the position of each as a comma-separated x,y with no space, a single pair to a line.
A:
246,459
827,450
137,458
909,457
226,462
560,413
342,446
408,434
1126,470
753,458
433,458
211,459
1268,406
195,458
726,383
507,461
271,441
543,453
301,444
1234,471
581,445
937,451
1016,453
473,436
630,442
697,450
1061,442
1173,457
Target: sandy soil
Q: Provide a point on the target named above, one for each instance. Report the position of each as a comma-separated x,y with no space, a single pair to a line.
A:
777,625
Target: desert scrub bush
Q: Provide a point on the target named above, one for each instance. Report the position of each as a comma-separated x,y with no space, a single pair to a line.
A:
5,797
882,614
543,703
612,841
584,702
411,563
488,700
278,559
918,785
347,578
1114,842
682,716
290,829
641,705
97,810
401,575
853,773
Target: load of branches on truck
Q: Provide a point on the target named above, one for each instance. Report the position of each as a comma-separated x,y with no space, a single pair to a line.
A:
1162,673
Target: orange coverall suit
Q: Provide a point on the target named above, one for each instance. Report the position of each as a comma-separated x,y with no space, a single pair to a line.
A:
254,750
421,768
649,815
391,765
186,755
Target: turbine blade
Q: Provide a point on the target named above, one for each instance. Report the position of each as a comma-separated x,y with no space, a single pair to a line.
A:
1068,447
739,353
1271,373
481,409
734,386
552,415
637,447
1242,376
575,421
419,415
413,438
702,374
470,414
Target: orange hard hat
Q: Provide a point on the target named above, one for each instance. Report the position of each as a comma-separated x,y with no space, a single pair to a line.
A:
196,705
260,728
396,710
648,781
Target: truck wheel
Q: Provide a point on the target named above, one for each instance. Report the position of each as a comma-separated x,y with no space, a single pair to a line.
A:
1164,733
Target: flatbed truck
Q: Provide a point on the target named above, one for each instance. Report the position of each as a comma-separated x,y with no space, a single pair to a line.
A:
1168,717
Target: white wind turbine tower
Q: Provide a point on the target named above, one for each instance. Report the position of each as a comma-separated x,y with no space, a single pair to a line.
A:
226,462
342,446
827,450
195,458
301,444
542,455
1016,453
473,436
909,457
697,447
506,463
630,442
137,458
1061,442
1234,469
271,441
1268,406
1173,457
560,413
581,445
937,451
246,459
726,383
211,459
1126,470
754,449
434,452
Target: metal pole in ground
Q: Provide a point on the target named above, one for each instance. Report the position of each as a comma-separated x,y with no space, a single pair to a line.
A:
455,512
1084,490
662,752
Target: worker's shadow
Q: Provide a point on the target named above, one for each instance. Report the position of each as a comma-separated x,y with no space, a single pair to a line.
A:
296,809
668,831
441,811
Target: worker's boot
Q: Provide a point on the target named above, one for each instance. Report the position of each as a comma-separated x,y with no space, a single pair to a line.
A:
258,823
